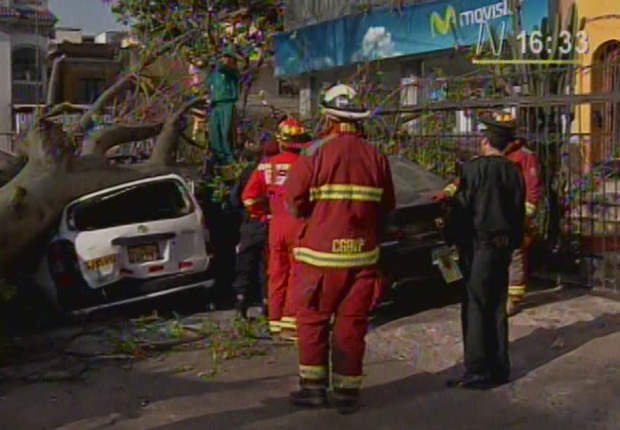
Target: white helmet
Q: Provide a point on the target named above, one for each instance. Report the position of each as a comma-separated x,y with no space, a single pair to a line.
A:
341,102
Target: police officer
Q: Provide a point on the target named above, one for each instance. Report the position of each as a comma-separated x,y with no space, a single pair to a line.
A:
487,223
343,187
528,162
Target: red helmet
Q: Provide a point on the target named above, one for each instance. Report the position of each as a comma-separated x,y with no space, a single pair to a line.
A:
292,135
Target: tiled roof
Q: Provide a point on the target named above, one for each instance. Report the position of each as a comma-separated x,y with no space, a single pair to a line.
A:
11,13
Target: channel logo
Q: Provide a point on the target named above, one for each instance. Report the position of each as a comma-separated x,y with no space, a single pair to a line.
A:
451,19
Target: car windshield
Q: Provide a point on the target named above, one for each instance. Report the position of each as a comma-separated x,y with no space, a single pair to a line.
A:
135,204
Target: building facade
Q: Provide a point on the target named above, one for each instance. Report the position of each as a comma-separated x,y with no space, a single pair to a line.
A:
90,65
601,65
403,40
26,27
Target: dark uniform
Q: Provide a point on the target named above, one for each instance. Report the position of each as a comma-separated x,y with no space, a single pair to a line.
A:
487,225
251,252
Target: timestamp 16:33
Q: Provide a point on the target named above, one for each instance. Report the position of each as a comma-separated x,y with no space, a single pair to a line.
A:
536,42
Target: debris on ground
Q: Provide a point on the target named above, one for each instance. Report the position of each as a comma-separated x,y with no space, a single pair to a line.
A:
223,337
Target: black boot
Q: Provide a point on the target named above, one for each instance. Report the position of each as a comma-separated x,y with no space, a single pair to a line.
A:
241,306
264,310
475,381
346,401
309,397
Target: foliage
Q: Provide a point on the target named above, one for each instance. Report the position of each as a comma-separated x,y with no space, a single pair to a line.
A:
7,291
245,27
148,335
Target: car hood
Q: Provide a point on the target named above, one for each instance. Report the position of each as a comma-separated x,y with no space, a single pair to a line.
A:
413,185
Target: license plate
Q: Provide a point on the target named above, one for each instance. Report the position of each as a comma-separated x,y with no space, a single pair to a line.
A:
446,258
143,253
99,263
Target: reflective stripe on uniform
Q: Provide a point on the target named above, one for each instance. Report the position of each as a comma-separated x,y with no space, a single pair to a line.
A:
530,209
313,373
275,326
346,192
328,259
289,322
517,291
249,202
343,382
451,189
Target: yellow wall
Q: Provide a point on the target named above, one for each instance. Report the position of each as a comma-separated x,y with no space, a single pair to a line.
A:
601,27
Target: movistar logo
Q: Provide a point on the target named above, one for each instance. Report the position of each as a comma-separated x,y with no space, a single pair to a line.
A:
452,19
445,25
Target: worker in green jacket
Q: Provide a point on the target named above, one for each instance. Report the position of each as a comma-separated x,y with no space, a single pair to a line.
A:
224,91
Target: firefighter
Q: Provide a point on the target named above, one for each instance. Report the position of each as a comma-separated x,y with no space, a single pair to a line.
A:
487,223
267,184
530,168
251,261
343,187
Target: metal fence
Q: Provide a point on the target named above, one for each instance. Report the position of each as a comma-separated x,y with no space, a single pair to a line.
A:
577,138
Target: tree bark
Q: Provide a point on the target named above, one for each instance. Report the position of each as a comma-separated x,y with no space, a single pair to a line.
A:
108,138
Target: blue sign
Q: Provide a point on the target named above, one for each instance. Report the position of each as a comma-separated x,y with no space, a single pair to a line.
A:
386,33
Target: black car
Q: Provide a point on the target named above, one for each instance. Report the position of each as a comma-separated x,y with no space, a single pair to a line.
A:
413,232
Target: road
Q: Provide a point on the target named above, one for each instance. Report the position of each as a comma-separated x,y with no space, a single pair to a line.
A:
566,361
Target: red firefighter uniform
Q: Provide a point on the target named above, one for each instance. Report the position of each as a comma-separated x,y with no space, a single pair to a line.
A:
267,185
343,186
530,168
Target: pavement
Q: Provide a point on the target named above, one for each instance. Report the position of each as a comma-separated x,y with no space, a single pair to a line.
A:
565,350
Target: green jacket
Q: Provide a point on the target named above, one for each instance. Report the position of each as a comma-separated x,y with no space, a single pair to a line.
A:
224,85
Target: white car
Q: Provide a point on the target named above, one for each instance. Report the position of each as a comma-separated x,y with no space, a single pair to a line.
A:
126,243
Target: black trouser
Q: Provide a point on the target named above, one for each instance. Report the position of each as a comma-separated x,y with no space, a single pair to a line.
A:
251,280
483,313
224,230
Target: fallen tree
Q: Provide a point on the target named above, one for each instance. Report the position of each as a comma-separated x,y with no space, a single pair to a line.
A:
55,166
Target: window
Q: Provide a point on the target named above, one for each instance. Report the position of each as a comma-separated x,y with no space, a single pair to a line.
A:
90,90
27,66
287,88
141,203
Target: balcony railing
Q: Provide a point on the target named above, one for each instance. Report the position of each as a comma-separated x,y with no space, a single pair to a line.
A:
28,92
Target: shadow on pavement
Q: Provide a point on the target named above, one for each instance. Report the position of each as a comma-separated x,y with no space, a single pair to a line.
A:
423,399
411,298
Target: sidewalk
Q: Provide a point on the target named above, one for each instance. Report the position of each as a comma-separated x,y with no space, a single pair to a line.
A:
566,360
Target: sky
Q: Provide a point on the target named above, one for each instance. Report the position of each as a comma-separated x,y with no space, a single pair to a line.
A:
92,16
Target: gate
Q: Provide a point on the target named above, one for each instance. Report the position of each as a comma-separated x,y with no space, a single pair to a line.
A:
576,136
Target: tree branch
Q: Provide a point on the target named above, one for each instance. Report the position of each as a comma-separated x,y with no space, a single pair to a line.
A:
167,141
54,80
86,121
120,134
